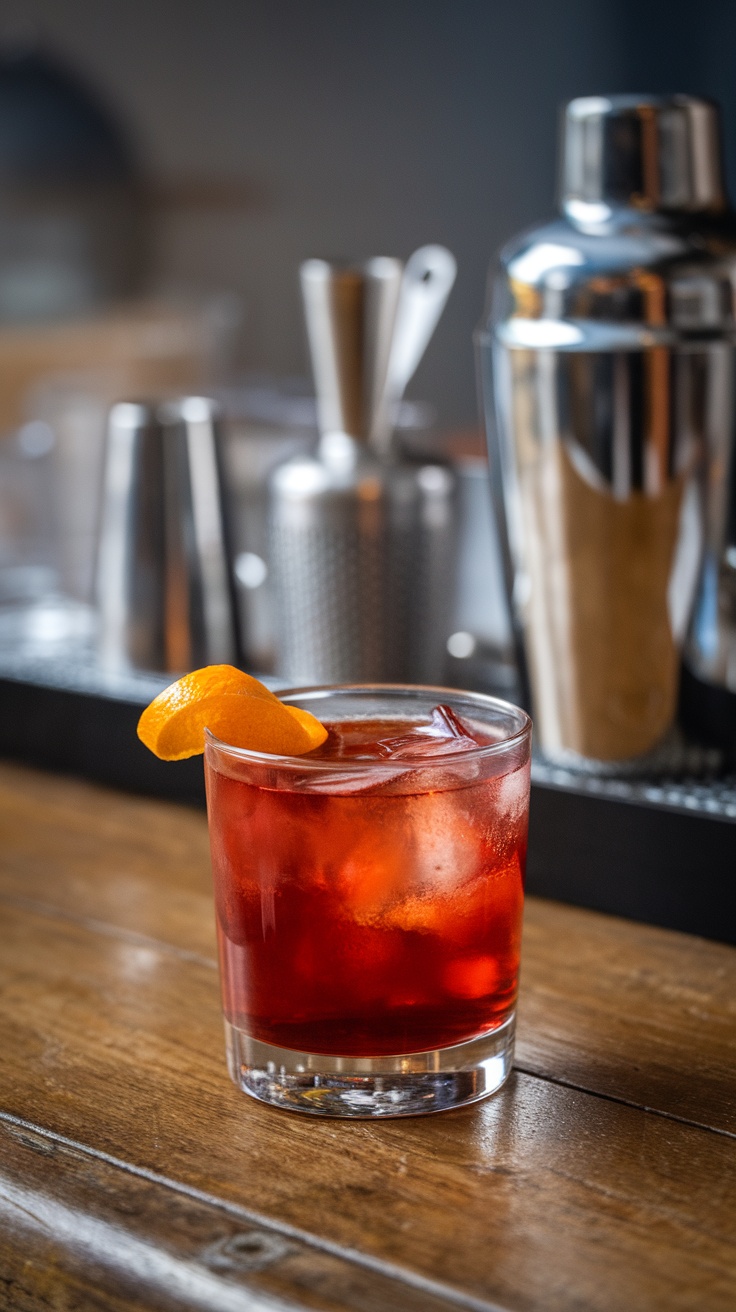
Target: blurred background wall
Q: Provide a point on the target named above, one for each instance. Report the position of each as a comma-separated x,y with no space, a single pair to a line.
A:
270,130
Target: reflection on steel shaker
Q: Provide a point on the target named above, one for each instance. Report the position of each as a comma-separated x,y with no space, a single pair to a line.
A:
609,351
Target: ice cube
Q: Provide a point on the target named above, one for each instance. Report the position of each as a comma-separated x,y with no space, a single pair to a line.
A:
348,781
511,794
446,724
446,844
445,734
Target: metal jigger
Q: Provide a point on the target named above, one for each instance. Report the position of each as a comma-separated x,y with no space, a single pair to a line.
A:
354,533
164,587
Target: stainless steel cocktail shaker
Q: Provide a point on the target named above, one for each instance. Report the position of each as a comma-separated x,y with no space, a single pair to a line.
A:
361,543
608,366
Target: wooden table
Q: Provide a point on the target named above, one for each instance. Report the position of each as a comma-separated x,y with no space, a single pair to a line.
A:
134,1175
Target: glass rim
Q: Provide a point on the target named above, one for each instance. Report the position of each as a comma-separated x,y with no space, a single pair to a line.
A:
308,764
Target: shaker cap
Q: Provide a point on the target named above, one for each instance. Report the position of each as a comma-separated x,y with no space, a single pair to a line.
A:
646,152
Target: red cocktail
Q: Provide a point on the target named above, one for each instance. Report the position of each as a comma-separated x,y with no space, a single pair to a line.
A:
369,902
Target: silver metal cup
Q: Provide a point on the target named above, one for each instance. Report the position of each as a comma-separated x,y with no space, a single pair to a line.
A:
164,588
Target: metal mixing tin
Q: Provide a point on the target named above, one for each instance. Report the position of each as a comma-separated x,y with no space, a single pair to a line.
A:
607,358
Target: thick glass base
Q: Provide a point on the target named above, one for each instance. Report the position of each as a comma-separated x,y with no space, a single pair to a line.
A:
364,1087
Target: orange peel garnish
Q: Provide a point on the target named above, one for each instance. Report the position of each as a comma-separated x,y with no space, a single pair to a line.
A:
235,707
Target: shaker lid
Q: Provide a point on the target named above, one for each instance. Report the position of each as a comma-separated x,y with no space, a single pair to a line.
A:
646,152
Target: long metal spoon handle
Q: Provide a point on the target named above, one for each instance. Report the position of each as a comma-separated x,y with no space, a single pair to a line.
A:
426,284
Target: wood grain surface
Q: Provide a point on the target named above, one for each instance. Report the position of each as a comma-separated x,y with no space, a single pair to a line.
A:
602,1177
111,1237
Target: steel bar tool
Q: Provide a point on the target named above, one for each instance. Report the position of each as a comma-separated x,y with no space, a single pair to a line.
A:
361,541
164,588
608,348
